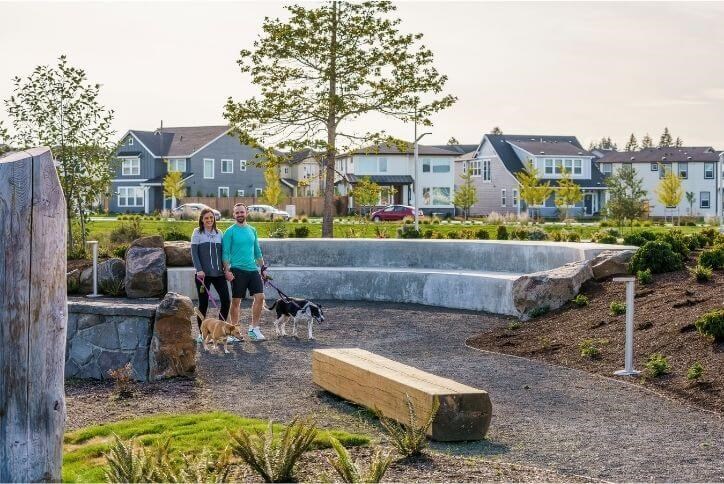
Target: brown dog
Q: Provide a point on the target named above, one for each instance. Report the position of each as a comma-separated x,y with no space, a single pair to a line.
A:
214,330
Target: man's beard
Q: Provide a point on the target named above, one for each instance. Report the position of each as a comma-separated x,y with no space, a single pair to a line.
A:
241,218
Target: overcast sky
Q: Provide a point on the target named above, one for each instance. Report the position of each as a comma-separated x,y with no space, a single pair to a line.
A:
583,69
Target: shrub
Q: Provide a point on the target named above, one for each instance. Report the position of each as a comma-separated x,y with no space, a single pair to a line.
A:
580,300
712,324
701,273
645,276
408,232
73,285
539,311
482,234
301,232
514,325
173,233
605,224
695,241
435,221
713,258
348,471
656,256
126,232
617,308
425,221
120,251
676,240
467,234
695,372
408,220
590,347
411,439
494,218
604,237
274,458
122,381
277,229
710,234
304,220
634,238
657,365
453,235
427,234
573,236
536,233
647,234
558,236
501,233
113,287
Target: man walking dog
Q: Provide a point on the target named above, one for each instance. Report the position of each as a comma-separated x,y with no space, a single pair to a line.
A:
240,255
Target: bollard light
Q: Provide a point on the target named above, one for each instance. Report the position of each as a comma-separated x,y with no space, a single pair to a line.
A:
94,245
628,357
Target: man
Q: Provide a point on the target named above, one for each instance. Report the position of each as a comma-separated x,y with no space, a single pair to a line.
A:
241,255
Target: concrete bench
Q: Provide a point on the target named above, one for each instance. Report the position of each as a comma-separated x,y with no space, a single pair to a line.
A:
377,382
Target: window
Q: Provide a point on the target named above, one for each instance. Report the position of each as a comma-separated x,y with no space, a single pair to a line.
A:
441,166
664,170
568,164
606,168
131,167
240,193
436,196
654,167
223,192
426,165
502,197
177,165
708,170
227,166
515,197
130,197
548,167
475,167
208,169
486,170
367,165
258,192
383,165
704,200
286,170
242,165
130,141
559,167
577,167
683,170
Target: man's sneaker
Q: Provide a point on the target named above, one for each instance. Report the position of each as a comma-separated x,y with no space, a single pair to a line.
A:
199,339
255,335
232,339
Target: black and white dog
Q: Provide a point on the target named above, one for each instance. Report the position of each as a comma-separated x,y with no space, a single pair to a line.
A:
296,309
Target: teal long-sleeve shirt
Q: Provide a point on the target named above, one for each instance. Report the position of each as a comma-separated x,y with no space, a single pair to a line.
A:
240,247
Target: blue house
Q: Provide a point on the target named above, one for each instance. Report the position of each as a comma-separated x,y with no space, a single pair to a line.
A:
213,162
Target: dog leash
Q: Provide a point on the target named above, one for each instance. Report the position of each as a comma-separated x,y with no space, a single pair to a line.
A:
213,301
282,296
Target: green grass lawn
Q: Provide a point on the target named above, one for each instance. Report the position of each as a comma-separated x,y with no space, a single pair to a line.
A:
83,452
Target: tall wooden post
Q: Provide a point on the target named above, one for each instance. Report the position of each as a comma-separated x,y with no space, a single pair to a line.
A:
33,316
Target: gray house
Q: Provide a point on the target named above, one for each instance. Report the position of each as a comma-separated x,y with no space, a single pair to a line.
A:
212,160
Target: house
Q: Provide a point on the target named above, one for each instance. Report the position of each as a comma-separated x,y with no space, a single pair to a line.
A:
697,166
301,173
394,170
212,160
498,158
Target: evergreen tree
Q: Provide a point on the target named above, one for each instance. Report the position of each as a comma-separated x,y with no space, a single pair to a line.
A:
678,143
626,195
665,140
453,141
633,144
568,193
532,191
496,130
605,144
647,142
466,196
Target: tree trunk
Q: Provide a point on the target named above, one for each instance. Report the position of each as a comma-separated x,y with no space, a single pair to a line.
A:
328,212
33,316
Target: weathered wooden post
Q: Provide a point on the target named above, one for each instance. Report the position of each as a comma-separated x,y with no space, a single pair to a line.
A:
33,315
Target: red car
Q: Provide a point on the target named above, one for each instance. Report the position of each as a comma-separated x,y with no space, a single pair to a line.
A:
394,212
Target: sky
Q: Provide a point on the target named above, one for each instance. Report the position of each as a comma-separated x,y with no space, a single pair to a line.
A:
588,69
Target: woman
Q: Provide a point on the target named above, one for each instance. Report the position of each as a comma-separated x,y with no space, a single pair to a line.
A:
206,254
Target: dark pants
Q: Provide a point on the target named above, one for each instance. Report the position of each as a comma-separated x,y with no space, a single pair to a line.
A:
222,288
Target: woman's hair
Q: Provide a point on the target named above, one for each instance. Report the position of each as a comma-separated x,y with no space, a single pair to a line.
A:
201,220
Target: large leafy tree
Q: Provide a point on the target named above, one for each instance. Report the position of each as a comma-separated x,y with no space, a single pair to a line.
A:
533,191
327,66
56,106
568,193
626,195
466,195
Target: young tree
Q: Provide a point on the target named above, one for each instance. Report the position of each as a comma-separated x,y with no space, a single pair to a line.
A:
466,196
633,144
496,130
605,144
626,195
365,193
679,142
568,193
690,198
647,142
174,187
272,194
56,106
669,191
665,140
326,66
532,191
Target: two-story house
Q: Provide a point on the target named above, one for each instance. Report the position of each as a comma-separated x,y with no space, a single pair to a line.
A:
212,160
698,167
498,158
394,170
301,173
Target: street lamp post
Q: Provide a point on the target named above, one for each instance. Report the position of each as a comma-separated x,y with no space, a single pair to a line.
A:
417,178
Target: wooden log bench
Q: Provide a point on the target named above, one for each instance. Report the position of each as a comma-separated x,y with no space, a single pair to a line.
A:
377,382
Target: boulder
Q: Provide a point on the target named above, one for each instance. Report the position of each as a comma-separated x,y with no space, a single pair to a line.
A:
173,350
145,272
552,288
610,263
73,281
150,242
178,254
111,273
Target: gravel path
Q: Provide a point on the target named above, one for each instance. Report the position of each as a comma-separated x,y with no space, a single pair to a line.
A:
543,415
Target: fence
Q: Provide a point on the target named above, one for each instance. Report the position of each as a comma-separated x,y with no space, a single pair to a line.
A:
310,206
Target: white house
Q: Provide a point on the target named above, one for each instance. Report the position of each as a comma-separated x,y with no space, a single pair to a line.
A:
697,166
498,158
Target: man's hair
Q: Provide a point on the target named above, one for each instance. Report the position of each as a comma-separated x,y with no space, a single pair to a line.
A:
241,205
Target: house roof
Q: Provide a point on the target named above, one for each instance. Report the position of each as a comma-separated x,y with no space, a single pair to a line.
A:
501,144
299,156
290,181
383,179
179,141
459,149
408,149
129,153
663,155
553,148
597,180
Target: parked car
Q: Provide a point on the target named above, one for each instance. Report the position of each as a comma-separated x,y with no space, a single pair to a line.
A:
266,212
191,211
394,212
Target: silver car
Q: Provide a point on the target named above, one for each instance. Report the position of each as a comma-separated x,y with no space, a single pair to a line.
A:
266,212
191,211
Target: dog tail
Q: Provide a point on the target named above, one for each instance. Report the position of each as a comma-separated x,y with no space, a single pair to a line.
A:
271,308
198,313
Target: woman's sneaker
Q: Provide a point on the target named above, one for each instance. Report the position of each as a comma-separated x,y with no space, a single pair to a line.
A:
255,335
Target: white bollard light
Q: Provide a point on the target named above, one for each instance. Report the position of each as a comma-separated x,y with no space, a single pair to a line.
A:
94,245
628,364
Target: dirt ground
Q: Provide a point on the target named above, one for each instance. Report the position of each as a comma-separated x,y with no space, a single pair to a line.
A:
665,312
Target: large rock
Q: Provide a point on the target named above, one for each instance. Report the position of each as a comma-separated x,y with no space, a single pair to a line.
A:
173,350
551,288
145,272
150,242
73,281
178,254
610,263
111,273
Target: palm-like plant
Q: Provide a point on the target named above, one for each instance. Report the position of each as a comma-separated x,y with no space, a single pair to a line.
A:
410,439
348,470
691,199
